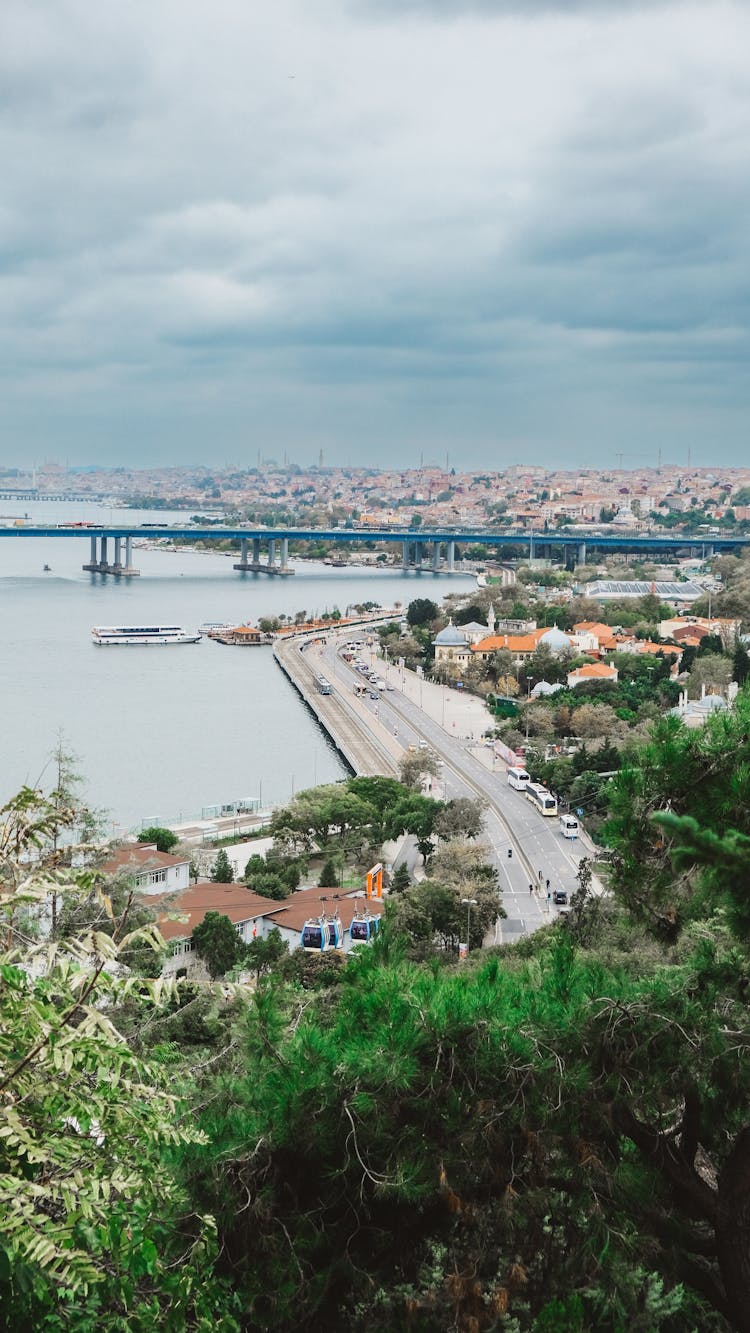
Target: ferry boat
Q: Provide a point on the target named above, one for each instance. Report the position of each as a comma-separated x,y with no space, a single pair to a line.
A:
124,635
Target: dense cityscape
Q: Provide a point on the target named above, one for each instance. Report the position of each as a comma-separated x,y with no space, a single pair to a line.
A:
636,499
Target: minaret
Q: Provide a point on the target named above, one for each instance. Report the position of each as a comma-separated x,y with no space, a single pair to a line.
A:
491,620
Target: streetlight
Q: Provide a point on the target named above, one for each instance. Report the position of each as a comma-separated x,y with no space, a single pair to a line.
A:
468,903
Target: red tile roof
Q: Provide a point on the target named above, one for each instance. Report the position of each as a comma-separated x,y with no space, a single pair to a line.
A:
141,858
233,900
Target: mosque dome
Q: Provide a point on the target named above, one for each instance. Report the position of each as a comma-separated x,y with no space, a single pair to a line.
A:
555,640
450,637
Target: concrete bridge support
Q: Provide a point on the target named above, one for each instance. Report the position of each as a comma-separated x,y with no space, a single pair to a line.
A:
436,562
255,565
99,563
451,556
582,553
405,552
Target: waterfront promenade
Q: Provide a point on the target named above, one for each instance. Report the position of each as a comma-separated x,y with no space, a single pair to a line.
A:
527,849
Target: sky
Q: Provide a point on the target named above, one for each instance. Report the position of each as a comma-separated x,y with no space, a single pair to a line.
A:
490,230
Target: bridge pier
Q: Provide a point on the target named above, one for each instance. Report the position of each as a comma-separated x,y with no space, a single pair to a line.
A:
255,566
582,553
405,555
99,564
451,554
436,556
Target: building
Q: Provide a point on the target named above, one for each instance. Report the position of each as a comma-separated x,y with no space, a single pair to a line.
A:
615,590
688,629
583,675
454,643
523,646
152,872
178,914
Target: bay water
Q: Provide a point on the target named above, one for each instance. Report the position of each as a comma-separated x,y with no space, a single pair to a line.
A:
161,733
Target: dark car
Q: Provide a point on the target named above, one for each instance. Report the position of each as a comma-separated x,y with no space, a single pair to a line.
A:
560,897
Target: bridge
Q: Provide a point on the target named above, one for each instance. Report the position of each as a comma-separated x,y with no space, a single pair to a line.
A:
434,549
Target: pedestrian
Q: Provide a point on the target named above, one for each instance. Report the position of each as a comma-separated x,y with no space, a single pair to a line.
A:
549,895
541,877
547,888
531,888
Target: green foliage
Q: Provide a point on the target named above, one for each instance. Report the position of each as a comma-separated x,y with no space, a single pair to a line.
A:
262,954
95,1232
163,838
221,872
401,878
330,874
703,776
217,943
415,814
421,611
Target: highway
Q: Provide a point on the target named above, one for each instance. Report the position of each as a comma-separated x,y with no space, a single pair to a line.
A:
539,852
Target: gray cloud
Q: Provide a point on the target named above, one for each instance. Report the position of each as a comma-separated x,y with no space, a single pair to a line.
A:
219,229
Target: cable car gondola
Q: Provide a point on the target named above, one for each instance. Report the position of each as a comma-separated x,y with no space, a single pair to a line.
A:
321,933
364,927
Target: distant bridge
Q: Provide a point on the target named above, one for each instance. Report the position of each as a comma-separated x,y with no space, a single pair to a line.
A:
435,546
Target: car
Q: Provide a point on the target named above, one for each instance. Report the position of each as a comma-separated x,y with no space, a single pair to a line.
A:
560,898
373,694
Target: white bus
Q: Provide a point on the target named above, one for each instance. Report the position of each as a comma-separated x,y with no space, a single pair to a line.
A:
541,798
518,778
569,826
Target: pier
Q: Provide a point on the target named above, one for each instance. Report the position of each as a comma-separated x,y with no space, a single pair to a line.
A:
100,564
270,565
366,752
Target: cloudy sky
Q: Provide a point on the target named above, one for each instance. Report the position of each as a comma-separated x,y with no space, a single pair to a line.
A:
383,228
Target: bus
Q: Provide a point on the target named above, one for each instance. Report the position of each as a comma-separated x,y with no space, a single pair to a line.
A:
544,801
569,826
322,685
518,778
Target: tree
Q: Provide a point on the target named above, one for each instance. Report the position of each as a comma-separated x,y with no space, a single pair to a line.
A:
460,818
94,1231
270,884
221,872
421,611
329,875
594,720
741,664
415,766
711,671
262,954
319,814
163,838
401,878
414,814
217,943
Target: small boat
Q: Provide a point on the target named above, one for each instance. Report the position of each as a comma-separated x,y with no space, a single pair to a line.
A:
46,569
129,635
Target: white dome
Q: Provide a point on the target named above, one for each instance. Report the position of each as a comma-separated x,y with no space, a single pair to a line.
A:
450,637
555,640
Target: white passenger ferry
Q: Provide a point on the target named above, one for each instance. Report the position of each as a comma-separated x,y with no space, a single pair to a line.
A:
106,635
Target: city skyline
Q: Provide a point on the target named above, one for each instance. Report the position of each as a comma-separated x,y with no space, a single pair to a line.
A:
383,230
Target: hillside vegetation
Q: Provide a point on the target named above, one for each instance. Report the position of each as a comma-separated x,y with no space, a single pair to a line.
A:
553,1136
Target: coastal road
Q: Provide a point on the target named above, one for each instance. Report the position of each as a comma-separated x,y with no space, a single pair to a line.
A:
539,852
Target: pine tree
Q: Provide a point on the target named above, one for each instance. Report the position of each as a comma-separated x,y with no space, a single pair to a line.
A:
401,879
329,875
222,870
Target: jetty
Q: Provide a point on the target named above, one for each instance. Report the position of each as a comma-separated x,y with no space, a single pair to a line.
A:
365,752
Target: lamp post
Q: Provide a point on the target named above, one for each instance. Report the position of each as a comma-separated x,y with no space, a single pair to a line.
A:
468,903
